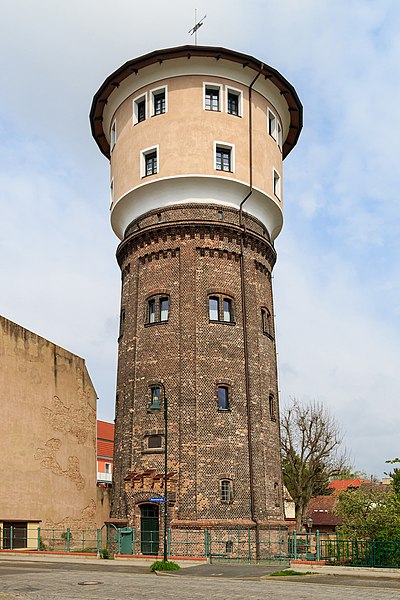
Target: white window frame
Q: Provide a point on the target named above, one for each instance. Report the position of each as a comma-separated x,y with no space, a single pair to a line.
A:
279,135
135,111
276,184
143,154
154,92
226,146
238,93
272,119
213,86
107,467
111,192
113,135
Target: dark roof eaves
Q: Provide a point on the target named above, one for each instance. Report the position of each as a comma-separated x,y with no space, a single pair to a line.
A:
113,80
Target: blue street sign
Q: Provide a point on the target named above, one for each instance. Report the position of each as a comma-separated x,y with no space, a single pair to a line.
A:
157,499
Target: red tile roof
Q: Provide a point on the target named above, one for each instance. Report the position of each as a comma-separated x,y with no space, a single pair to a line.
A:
341,485
105,431
320,509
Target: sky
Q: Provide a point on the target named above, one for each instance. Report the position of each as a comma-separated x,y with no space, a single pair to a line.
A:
336,281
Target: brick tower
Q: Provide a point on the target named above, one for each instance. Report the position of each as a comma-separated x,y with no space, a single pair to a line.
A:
196,137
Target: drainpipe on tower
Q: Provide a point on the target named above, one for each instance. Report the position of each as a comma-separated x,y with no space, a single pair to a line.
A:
244,319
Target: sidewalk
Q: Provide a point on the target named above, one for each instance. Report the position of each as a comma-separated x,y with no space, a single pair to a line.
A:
201,568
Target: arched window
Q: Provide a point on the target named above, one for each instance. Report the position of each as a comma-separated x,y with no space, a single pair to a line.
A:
155,396
276,494
266,321
220,308
223,397
226,490
271,402
157,309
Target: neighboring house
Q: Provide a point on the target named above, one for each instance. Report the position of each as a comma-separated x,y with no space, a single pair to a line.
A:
321,511
341,485
47,438
105,453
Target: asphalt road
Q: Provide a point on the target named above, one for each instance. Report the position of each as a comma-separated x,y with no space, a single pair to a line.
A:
110,581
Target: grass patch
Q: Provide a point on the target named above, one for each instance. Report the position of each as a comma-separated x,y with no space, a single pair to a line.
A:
164,565
289,573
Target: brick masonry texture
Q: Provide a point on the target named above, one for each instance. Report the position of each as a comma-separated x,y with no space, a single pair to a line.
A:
189,253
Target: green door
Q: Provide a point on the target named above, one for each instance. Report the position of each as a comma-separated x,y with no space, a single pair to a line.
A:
126,541
149,528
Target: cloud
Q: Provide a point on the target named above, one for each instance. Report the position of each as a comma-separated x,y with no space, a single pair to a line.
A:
336,280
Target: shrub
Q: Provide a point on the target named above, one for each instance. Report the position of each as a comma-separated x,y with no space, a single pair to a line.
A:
164,565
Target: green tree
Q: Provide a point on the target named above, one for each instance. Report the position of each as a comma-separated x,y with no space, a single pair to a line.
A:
311,453
369,512
395,475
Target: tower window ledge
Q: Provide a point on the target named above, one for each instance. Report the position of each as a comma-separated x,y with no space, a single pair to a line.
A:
218,322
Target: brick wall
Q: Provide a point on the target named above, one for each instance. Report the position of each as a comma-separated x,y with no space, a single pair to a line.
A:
187,253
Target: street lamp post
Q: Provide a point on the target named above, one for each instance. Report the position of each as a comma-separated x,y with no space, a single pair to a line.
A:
165,472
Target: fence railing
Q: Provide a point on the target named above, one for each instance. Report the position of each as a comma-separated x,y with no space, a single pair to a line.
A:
236,543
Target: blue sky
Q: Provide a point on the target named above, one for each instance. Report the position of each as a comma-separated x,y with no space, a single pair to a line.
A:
336,282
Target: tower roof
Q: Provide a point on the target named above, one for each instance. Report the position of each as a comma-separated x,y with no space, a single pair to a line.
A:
159,56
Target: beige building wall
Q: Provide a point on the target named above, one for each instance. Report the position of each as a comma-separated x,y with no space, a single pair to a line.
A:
186,133
47,433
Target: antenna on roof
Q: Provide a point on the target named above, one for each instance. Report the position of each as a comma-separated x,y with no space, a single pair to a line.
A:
197,25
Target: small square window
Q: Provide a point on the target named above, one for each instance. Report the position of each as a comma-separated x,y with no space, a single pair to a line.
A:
139,109
151,163
223,160
154,441
279,136
234,102
159,101
271,403
155,396
113,136
211,99
112,192
223,397
277,184
266,321
272,124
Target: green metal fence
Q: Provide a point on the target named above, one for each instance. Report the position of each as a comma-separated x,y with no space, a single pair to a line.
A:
244,544
52,540
362,553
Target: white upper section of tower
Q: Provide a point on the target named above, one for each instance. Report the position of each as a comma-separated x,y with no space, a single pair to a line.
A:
196,125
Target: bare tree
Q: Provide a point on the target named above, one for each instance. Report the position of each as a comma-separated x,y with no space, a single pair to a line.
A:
311,452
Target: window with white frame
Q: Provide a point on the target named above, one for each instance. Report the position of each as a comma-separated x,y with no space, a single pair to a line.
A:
271,124
139,109
212,96
224,157
234,101
149,162
279,136
107,468
277,184
113,135
111,191
159,103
